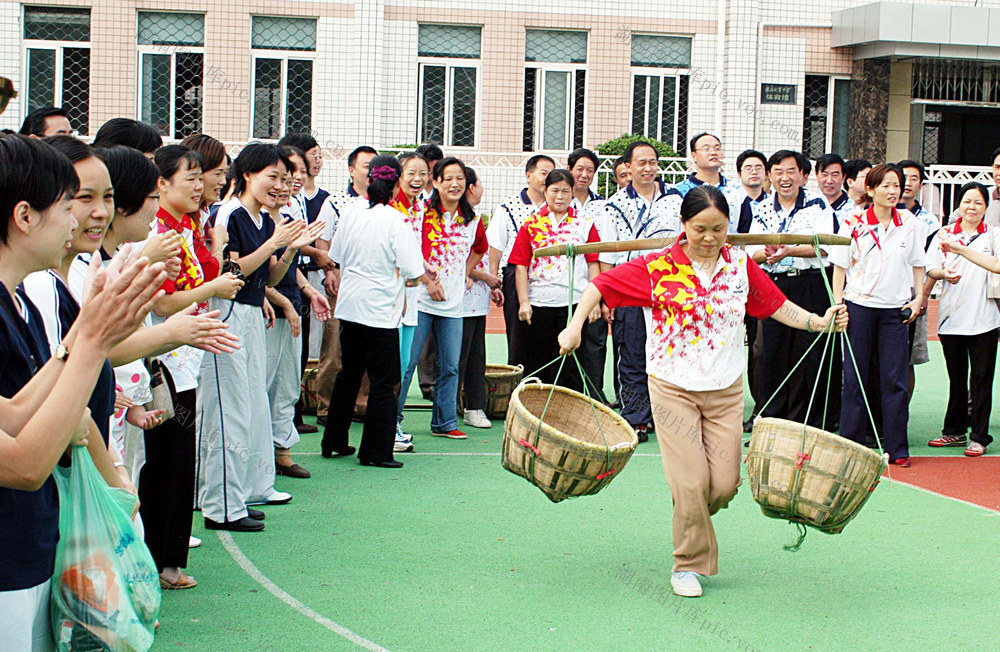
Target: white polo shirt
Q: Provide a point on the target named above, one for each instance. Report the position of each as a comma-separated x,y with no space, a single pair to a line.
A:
629,216
964,308
334,206
810,215
377,252
506,221
548,277
879,261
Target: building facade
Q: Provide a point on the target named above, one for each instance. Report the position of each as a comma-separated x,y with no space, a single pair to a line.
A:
882,80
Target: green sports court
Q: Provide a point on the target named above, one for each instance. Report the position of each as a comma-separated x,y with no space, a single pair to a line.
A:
452,552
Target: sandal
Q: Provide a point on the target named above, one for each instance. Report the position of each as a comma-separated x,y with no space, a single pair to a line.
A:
948,440
185,581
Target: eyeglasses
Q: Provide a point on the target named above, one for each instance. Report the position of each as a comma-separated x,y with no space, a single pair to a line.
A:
711,149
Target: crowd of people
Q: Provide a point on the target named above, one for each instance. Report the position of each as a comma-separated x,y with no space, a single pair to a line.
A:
186,284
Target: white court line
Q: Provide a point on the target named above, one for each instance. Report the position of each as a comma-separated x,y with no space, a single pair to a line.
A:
275,590
472,454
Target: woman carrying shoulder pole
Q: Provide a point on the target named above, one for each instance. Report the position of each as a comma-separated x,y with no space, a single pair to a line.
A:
695,295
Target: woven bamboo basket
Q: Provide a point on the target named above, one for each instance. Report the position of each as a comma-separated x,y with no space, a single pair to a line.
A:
823,482
568,456
501,379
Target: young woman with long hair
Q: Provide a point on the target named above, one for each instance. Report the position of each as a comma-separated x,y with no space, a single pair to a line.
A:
453,241
235,467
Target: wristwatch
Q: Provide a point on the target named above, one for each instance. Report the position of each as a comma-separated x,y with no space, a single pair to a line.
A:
62,353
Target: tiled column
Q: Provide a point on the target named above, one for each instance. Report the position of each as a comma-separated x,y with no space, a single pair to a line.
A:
869,109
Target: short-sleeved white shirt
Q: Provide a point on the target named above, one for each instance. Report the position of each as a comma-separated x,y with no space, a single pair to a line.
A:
964,308
809,216
506,221
377,252
333,208
629,216
879,261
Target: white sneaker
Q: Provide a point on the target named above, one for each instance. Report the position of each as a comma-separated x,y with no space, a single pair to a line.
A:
476,419
194,542
403,437
402,447
276,498
686,584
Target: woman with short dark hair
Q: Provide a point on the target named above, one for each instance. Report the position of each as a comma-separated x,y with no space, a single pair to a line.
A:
962,255
695,294
875,276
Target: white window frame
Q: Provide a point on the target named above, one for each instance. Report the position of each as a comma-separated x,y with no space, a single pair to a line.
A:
449,63
59,47
172,51
284,56
676,74
541,67
830,98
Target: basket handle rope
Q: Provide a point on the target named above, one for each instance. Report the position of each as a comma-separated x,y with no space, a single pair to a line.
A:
571,254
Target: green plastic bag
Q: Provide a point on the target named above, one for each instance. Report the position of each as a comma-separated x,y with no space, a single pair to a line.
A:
105,589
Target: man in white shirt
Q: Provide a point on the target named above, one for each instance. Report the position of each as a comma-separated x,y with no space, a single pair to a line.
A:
329,357
855,172
505,222
798,273
593,352
751,166
640,210
913,183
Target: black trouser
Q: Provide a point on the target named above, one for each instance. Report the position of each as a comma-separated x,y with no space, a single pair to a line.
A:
784,346
542,347
751,325
884,326
515,328
375,351
167,484
628,335
962,353
593,353
472,364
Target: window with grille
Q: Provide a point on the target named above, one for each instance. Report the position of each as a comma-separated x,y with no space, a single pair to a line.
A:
284,52
171,71
826,115
555,91
446,112
660,97
57,62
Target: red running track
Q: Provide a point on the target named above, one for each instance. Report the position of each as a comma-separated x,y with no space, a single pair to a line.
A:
973,480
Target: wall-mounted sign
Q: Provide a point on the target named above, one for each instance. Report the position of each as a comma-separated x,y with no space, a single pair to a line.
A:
777,93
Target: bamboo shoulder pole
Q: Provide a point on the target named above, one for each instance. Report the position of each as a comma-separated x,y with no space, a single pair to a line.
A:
736,239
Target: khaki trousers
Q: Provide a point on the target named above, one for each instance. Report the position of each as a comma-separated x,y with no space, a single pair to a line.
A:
699,435
329,360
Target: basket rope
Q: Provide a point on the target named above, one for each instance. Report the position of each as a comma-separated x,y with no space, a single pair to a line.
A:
533,446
